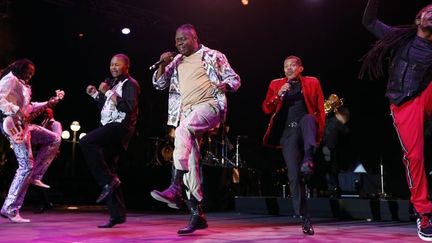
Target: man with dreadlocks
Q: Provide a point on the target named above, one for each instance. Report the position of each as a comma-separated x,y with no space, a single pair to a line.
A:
408,51
15,101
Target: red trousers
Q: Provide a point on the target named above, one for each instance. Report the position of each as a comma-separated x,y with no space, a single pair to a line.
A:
408,120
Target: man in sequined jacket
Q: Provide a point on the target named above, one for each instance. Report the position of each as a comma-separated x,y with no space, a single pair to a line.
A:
198,78
15,96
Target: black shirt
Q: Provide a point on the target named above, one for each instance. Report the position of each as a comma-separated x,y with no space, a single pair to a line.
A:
293,104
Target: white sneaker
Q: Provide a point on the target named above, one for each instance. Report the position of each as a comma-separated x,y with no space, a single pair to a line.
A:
16,218
424,227
39,183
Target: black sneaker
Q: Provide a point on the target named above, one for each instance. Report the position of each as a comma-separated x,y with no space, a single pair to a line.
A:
424,227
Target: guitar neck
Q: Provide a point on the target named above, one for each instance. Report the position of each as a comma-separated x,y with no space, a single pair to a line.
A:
38,112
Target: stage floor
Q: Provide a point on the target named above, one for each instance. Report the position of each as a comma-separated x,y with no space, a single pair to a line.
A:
61,225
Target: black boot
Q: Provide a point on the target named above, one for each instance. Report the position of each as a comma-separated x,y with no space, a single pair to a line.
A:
307,226
173,194
112,222
197,220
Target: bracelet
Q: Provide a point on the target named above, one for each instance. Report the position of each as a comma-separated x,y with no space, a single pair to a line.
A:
109,93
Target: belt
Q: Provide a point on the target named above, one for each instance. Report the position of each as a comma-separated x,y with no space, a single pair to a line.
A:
292,124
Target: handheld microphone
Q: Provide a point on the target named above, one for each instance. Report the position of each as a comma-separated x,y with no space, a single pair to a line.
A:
290,82
283,94
158,63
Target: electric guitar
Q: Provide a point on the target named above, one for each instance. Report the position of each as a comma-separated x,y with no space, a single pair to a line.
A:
16,125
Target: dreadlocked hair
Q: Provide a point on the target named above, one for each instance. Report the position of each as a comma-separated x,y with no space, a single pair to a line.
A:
374,60
17,68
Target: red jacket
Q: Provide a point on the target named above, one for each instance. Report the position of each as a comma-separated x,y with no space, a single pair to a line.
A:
314,100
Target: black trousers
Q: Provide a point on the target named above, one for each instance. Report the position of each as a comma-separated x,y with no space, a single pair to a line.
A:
101,149
334,144
295,142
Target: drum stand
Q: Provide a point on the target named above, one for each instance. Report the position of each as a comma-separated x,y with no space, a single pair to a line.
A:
215,155
210,158
238,162
225,161
221,160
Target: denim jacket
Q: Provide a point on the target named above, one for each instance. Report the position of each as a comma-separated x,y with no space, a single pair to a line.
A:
217,69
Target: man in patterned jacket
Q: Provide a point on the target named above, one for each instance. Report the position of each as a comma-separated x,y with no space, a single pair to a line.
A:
198,78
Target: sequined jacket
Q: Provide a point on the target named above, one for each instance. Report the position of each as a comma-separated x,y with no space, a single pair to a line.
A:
15,95
218,70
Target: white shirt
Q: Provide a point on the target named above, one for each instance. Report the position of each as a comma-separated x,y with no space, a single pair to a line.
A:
109,112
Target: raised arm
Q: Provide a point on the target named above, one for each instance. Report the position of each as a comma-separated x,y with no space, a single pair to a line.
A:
161,77
96,95
371,22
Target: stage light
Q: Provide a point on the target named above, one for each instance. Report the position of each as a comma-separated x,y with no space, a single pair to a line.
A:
65,134
82,135
125,31
360,168
75,126
245,2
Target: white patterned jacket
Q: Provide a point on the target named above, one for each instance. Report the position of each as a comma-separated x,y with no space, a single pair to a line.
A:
218,70
15,95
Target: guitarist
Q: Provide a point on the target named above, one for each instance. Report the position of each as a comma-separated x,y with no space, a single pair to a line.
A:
15,95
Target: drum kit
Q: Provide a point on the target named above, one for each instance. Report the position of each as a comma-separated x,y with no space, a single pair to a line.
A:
163,148
163,151
218,154
216,149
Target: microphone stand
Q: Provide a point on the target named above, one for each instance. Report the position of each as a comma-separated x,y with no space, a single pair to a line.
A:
382,195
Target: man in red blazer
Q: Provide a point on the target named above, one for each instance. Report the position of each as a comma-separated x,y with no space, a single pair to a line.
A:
296,104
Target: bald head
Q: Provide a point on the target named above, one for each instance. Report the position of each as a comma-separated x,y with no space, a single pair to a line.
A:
123,57
186,40
188,28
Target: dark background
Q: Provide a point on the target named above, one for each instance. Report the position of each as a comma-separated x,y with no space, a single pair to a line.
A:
256,38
